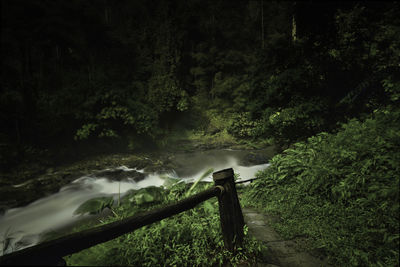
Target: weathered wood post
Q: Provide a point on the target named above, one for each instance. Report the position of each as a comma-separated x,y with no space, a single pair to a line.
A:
229,209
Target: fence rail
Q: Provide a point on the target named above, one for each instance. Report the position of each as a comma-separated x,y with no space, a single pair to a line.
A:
231,218
245,181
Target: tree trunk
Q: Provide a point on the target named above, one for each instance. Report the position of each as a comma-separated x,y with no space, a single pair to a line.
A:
294,28
17,131
294,25
262,24
28,93
106,13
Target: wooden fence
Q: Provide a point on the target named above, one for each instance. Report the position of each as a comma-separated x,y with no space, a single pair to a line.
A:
231,217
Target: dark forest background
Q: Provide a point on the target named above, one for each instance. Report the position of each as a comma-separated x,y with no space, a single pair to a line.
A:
121,74
317,79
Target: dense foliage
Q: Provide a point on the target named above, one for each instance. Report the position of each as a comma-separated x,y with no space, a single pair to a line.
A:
341,191
192,238
318,78
130,70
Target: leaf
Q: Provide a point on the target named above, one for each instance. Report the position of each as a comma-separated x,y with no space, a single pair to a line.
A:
208,207
205,174
94,205
143,198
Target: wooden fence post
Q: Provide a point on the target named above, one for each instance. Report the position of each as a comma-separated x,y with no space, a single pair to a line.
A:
229,210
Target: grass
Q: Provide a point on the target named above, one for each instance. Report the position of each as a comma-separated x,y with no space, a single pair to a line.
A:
340,191
191,238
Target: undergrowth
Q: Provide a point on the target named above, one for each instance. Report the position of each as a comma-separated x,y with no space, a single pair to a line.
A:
191,238
339,190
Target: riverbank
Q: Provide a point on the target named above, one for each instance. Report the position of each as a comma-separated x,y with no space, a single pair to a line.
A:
28,224
32,180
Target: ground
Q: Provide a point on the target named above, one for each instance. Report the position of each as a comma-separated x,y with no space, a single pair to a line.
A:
280,252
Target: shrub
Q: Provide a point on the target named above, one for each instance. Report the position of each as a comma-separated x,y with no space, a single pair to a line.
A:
191,238
243,126
341,190
293,123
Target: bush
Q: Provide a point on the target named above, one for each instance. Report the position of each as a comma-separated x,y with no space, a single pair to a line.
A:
341,190
302,119
191,238
243,126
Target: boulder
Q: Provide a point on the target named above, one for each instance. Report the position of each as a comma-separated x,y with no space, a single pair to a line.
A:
118,175
254,158
138,163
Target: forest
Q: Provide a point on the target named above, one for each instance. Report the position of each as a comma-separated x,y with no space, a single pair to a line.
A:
317,80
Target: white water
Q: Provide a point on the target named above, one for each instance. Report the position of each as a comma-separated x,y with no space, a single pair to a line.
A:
24,226
231,162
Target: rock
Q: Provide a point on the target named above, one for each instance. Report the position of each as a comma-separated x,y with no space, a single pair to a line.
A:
118,175
254,158
3,209
71,176
138,163
159,168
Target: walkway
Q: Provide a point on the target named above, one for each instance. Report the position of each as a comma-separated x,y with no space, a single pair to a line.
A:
282,253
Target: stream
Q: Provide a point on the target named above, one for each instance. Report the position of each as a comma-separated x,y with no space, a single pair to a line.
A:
25,226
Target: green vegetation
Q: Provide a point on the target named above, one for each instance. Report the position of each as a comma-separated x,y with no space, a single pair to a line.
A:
124,75
214,132
95,205
318,80
191,238
340,190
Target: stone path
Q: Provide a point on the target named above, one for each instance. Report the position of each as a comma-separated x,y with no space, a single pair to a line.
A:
282,253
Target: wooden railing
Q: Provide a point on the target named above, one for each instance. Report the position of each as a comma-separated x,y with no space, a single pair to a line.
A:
231,218
245,181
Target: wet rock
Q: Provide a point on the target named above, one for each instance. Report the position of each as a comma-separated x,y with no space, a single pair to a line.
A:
254,158
45,185
3,209
12,197
159,168
118,175
138,163
69,176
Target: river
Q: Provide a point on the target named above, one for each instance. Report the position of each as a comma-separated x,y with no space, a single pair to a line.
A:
25,226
